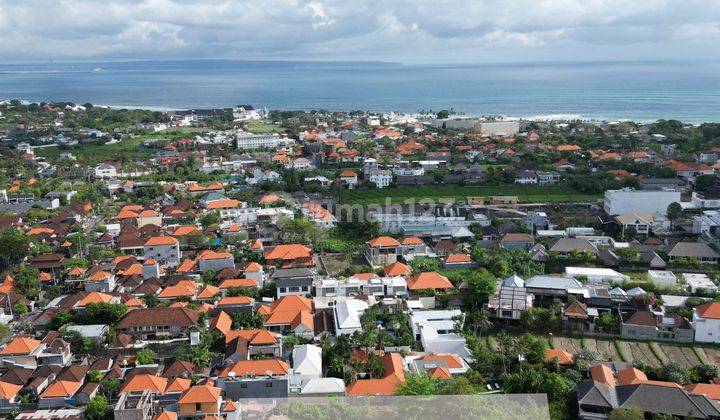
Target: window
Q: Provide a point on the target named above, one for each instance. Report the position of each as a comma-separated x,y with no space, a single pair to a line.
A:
198,407
243,385
268,384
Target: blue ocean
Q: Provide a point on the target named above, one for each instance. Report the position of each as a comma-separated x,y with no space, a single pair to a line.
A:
641,91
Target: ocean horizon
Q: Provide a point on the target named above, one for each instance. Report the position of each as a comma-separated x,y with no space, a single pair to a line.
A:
640,91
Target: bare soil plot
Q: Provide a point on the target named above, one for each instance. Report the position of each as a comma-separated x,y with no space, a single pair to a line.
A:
712,355
664,357
606,350
679,355
591,345
627,351
570,345
703,356
641,352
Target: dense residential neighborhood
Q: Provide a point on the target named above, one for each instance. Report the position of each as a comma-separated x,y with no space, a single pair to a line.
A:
190,264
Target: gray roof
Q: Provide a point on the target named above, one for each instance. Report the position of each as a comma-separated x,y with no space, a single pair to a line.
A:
291,273
596,394
692,249
552,282
514,281
658,399
573,244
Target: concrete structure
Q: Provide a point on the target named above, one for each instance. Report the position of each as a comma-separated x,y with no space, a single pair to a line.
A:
662,278
347,315
256,141
626,200
437,331
595,275
699,282
706,322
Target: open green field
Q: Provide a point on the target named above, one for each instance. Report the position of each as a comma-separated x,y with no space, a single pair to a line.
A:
526,194
127,148
259,127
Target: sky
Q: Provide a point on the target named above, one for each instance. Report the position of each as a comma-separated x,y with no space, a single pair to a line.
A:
405,31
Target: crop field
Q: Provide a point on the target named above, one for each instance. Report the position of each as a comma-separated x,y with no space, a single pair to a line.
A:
525,194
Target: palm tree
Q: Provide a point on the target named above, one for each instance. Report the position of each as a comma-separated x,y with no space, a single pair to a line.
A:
482,320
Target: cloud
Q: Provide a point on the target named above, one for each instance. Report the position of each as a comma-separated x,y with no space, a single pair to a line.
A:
412,31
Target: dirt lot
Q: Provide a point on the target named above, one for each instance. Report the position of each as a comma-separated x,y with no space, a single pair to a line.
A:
682,355
604,348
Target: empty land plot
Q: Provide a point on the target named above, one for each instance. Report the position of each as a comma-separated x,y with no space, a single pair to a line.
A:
712,355
703,356
679,355
606,350
627,351
525,194
660,352
642,353
570,345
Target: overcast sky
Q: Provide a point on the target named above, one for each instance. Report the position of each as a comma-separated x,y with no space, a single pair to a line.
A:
407,31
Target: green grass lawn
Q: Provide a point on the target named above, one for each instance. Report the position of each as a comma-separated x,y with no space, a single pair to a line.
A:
259,127
526,194
128,148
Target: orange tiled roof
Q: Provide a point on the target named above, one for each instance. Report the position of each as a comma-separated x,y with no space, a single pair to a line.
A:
178,385
223,204
439,372
236,300
161,240
711,391
631,376
602,373
200,394
393,375
709,310
20,346
412,241
61,389
226,284
8,391
145,382
397,269
383,241
257,367
94,297
458,259
452,361
221,322
209,254
208,292
563,357
185,230
428,280
252,267
186,265
288,252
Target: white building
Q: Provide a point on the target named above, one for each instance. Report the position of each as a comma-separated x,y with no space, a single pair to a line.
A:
706,322
347,315
437,331
380,177
699,281
163,249
307,364
105,170
639,201
595,275
255,141
662,278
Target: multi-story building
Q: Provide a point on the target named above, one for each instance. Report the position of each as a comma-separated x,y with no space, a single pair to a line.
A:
163,249
382,178
626,201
